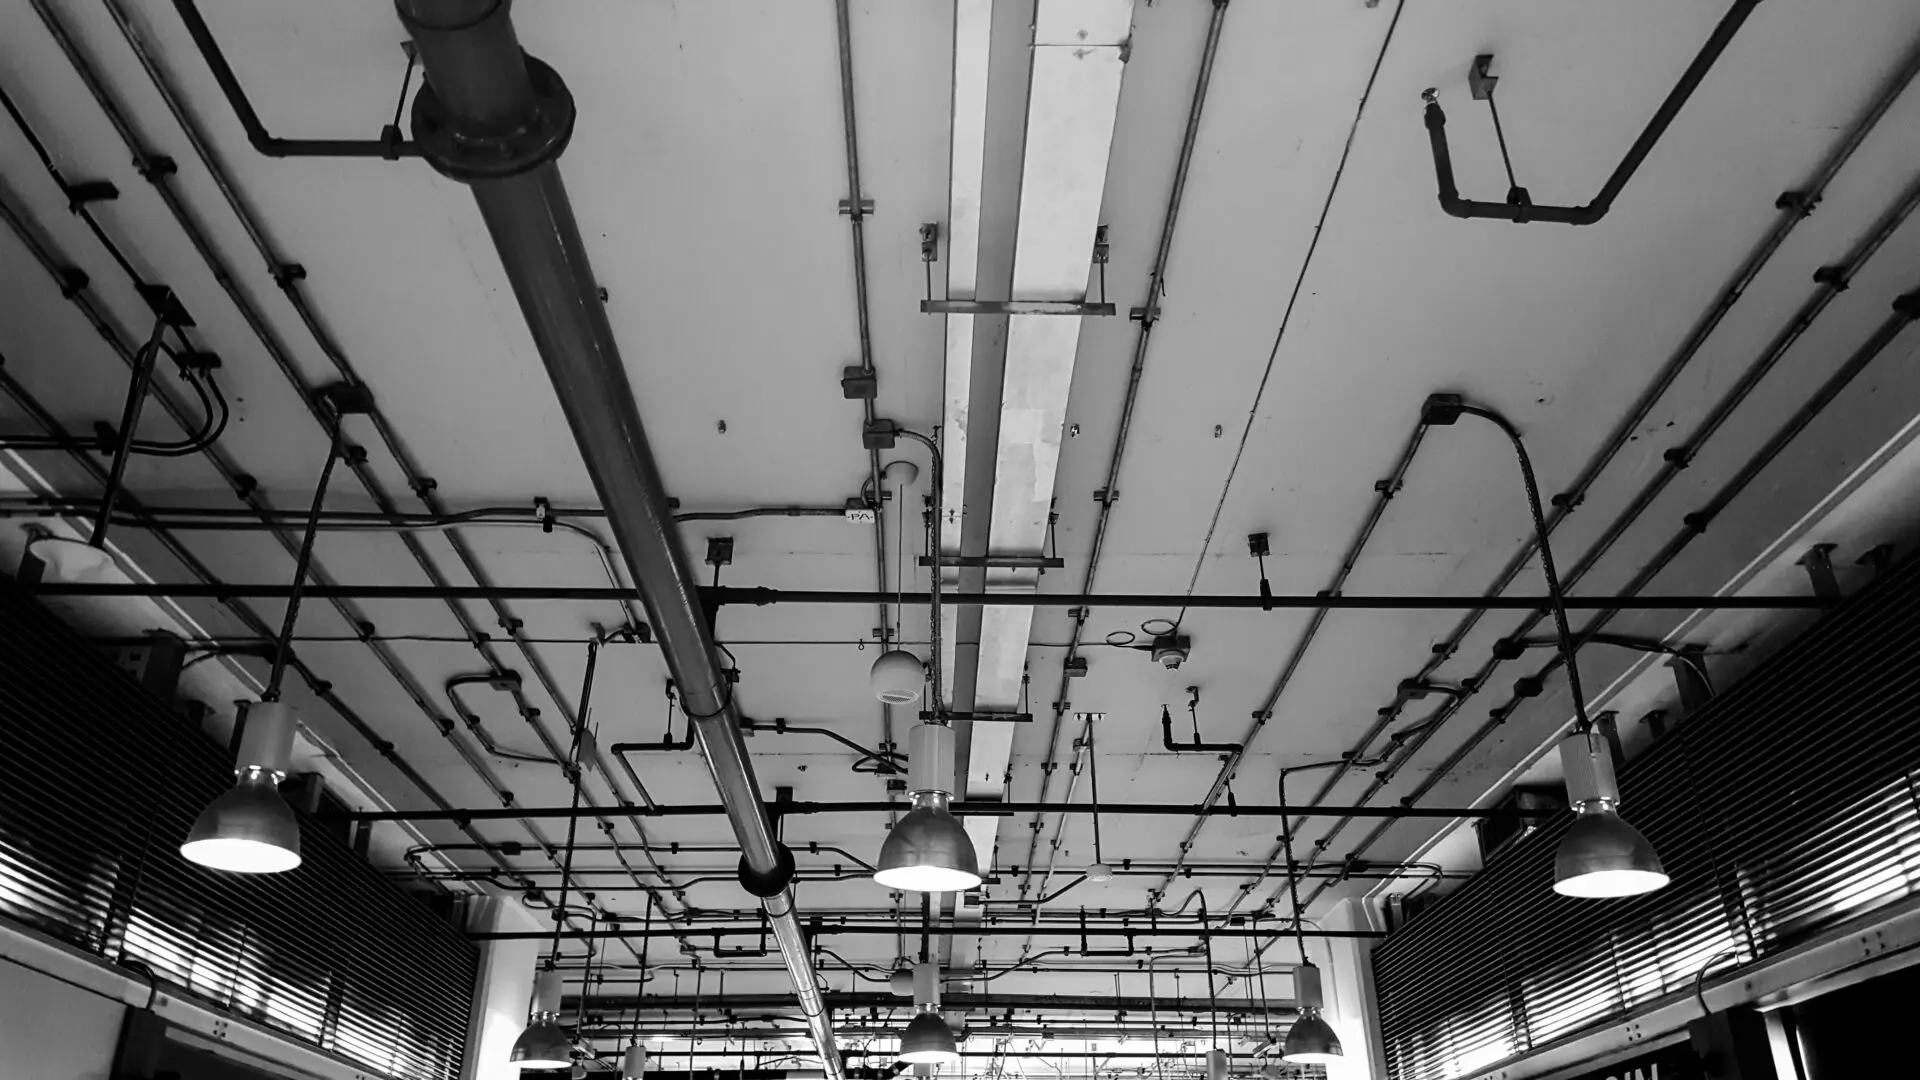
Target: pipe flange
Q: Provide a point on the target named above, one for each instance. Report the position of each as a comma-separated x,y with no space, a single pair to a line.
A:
773,882
470,159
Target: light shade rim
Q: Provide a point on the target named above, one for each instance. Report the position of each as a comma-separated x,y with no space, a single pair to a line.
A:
236,855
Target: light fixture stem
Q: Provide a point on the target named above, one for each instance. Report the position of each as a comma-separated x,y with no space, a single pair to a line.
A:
1555,595
573,773
926,926
283,647
646,946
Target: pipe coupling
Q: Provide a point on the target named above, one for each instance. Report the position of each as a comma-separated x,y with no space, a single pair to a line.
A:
774,881
471,156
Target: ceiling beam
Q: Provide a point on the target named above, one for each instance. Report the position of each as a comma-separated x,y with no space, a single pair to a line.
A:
759,597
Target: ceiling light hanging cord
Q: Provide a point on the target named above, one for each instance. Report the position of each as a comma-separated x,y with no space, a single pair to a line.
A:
646,947
1153,1012
1093,783
1293,871
1260,973
283,647
574,774
1556,596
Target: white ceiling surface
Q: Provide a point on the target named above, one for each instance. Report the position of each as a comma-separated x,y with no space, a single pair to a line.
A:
706,171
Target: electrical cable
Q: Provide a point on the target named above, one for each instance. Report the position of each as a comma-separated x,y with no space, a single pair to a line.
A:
1555,595
574,774
283,649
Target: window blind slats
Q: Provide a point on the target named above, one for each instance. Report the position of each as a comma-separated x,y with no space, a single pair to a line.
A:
1789,803
100,784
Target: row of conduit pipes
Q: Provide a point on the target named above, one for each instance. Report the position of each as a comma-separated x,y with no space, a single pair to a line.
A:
161,171
1829,280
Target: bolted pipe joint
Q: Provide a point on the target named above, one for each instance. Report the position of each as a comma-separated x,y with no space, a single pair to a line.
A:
771,882
488,110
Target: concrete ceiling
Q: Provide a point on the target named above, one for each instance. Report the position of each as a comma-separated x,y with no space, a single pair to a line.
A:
1315,295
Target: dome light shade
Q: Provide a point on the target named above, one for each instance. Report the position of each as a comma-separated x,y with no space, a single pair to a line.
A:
898,677
1099,873
248,830
928,1040
543,1045
928,851
1602,856
1311,1040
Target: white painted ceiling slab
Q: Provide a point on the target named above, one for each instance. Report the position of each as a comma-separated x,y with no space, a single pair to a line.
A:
708,170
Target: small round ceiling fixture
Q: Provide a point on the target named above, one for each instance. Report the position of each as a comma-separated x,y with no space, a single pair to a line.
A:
898,677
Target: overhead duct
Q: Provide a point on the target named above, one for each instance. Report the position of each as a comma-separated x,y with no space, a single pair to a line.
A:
497,120
1078,58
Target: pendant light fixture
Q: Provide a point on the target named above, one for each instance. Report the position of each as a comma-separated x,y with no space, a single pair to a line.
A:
543,1045
1311,1039
928,1040
1601,855
251,829
928,850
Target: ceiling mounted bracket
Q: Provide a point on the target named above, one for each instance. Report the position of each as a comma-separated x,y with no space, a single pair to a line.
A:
996,562
165,304
82,192
1480,82
1073,308
980,717
1818,563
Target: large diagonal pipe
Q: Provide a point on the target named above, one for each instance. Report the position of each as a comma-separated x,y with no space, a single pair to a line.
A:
497,120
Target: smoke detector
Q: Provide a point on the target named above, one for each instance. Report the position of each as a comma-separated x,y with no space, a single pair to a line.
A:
1172,650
